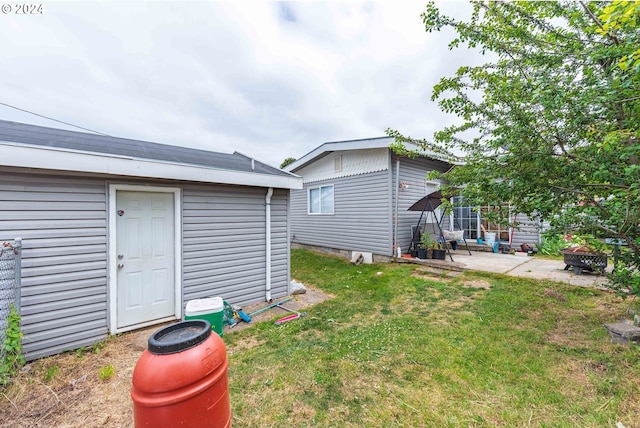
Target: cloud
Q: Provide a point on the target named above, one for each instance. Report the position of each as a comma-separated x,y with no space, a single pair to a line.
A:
269,79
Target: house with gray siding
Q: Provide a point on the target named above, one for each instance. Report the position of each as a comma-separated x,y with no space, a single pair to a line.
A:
472,220
356,195
119,234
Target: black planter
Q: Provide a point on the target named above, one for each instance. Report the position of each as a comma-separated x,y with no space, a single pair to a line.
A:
422,253
413,253
439,254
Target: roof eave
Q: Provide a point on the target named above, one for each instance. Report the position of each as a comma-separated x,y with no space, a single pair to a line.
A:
338,146
17,155
323,149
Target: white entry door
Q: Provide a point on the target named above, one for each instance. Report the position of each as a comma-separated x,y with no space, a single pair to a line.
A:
145,257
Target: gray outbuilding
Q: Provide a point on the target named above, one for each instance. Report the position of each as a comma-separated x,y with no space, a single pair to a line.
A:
119,234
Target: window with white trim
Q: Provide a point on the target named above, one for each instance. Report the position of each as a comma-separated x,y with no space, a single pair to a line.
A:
320,200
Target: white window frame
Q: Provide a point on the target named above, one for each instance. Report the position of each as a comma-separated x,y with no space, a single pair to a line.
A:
429,187
319,188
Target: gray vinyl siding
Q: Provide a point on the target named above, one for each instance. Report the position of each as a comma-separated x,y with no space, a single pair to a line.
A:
224,240
361,220
528,231
62,221
413,173
280,268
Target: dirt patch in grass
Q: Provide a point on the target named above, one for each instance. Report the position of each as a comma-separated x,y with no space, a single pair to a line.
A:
298,303
572,330
244,345
431,277
609,306
302,411
631,405
573,379
435,274
66,390
554,295
564,335
477,283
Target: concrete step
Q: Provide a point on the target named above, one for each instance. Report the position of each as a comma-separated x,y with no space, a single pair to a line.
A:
623,332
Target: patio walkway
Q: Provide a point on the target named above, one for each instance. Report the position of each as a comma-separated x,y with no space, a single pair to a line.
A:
518,264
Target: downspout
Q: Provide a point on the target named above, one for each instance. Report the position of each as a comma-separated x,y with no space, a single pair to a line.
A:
397,191
267,202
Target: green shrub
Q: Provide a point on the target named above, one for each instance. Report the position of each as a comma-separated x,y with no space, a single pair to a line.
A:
106,372
12,346
552,245
51,373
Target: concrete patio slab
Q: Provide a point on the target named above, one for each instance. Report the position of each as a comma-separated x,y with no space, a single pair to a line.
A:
518,264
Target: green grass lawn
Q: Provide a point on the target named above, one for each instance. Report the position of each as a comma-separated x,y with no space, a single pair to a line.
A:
394,348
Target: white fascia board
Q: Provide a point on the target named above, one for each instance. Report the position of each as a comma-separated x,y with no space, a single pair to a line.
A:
373,143
339,146
16,155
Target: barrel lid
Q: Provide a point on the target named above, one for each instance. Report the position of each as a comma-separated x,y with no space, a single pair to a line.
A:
179,337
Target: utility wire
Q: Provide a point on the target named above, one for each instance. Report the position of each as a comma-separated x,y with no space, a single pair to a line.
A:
55,120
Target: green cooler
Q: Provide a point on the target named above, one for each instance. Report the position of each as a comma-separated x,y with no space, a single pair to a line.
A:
210,309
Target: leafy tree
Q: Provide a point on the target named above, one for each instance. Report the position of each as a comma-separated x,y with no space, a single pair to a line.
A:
551,122
622,15
287,161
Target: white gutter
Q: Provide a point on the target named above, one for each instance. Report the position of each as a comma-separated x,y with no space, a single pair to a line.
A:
267,202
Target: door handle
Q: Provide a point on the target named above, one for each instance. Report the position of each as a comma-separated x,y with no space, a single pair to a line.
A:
120,265
120,256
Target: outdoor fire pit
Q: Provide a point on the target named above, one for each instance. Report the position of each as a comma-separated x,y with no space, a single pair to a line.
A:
580,259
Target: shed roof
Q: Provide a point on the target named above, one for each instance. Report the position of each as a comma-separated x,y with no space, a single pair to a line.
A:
20,140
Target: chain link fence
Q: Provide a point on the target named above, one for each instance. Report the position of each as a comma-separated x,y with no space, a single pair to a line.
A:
10,268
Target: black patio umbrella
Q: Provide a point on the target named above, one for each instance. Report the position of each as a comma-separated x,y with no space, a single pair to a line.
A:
428,203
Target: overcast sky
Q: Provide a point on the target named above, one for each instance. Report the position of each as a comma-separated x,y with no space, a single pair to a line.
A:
268,79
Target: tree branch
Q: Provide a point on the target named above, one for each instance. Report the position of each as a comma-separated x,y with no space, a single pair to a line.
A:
599,24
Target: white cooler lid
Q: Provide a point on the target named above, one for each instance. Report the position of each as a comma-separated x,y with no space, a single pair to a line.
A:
204,306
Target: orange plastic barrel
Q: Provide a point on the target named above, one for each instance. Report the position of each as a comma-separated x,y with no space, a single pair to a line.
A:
181,379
